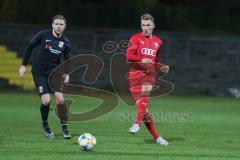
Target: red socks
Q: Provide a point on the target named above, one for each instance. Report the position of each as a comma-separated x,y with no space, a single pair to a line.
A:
149,123
142,104
143,115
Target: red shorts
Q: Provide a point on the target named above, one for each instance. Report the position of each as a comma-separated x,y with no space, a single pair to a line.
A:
137,79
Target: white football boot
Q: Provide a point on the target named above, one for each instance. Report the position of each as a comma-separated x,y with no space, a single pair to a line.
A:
134,128
161,141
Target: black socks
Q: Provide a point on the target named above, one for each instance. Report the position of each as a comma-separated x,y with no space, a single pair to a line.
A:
44,112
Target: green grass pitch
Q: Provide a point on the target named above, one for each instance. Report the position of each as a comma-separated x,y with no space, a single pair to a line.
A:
196,128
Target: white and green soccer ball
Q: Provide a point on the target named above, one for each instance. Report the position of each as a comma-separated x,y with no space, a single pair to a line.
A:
87,142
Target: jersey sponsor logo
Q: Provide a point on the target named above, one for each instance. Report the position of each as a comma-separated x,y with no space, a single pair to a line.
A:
47,46
60,44
54,51
148,51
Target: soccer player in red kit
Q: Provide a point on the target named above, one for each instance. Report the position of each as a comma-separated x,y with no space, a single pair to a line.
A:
143,53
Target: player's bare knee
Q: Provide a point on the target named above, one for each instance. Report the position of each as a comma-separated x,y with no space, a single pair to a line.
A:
60,101
46,99
59,98
46,103
146,89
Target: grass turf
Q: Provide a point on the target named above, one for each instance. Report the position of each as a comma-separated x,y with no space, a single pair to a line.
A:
196,128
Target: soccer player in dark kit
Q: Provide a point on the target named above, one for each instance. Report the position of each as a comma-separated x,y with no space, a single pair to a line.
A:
51,45
143,54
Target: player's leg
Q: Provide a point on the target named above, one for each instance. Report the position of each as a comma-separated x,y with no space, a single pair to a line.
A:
142,102
141,95
148,121
44,110
41,86
63,114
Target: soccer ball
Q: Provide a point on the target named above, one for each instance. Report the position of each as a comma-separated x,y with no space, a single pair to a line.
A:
87,142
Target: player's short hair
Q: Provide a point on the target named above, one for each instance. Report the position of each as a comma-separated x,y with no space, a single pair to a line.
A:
147,16
59,17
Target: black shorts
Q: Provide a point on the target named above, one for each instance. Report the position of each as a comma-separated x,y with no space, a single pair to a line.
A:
41,83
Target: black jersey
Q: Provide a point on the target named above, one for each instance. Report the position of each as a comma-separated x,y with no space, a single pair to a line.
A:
49,52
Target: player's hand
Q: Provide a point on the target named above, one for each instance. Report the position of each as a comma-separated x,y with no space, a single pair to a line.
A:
66,78
22,70
147,61
148,64
164,69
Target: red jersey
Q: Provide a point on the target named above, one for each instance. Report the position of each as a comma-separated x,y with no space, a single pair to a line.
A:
141,47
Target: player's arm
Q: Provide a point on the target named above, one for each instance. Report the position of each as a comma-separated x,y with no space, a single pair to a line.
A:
66,56
33,43
160,66
132,50
67,51
28,52
132,56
